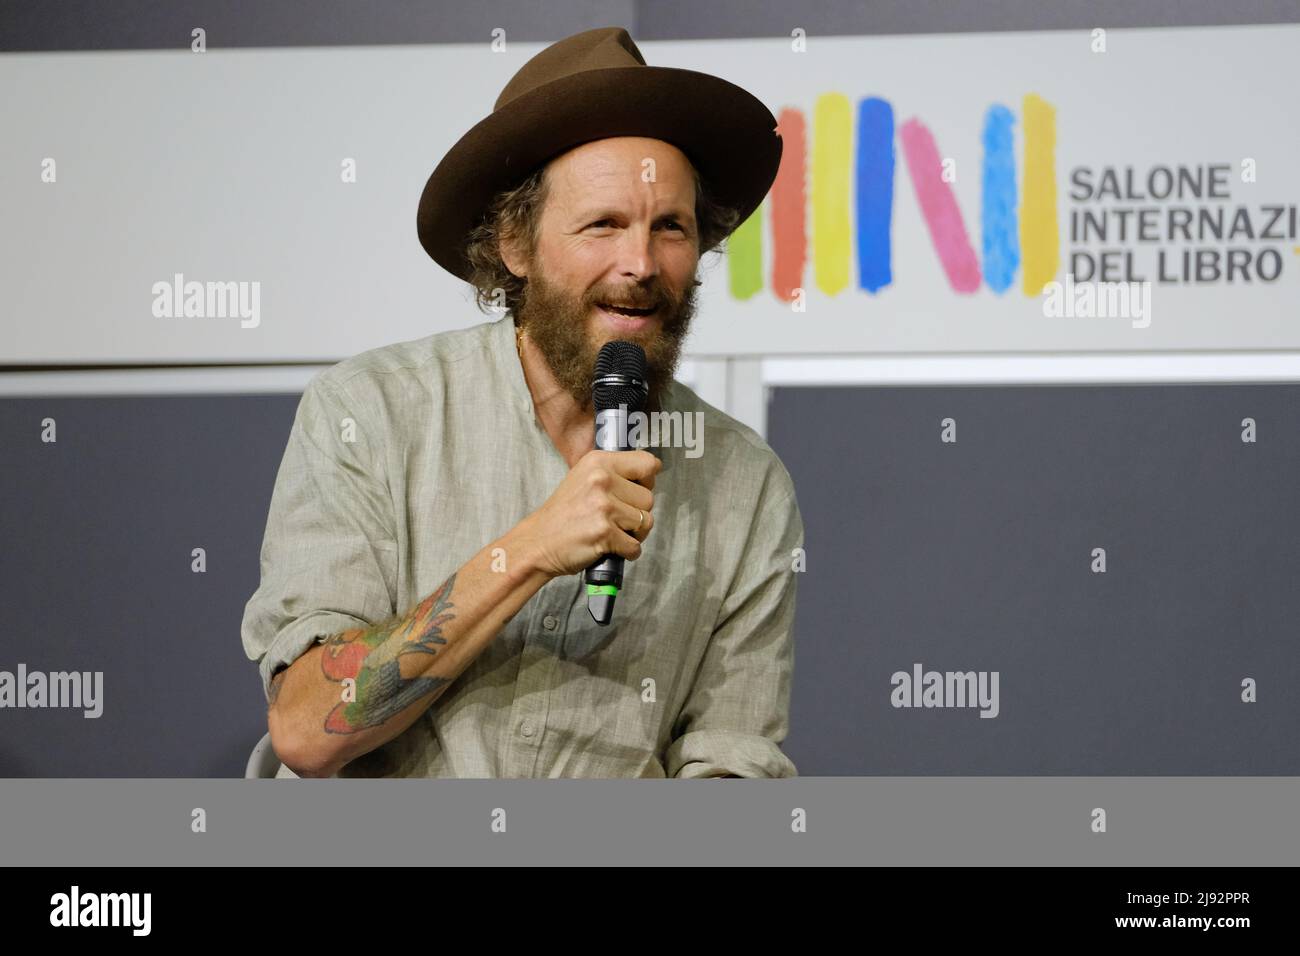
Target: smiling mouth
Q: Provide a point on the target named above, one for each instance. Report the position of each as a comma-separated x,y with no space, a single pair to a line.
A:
627,311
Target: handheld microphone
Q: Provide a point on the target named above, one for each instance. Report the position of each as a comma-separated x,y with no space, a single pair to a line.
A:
619,387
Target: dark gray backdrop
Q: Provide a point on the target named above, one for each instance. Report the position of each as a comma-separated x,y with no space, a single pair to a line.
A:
966,556
164,24
977,556
96,535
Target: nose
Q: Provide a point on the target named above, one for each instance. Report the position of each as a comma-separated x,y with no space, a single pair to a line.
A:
636,254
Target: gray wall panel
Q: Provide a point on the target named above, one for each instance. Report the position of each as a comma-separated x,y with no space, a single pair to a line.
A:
95,541
975,556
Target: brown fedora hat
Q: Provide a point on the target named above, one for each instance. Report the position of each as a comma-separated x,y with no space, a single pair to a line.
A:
595,85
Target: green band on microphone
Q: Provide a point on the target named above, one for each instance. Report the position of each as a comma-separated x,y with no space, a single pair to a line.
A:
602,589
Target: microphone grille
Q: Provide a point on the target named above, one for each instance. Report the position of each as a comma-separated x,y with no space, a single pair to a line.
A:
619,358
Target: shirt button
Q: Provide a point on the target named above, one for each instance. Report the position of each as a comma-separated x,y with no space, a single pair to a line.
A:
526,728
550,622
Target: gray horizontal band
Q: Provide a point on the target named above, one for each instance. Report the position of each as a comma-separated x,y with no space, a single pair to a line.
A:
48,25
1165,821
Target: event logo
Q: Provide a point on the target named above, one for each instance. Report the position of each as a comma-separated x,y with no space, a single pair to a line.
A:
832,209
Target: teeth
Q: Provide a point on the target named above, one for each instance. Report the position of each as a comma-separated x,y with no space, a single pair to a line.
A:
627,309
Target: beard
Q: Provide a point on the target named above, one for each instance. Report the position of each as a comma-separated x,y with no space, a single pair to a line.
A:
558,322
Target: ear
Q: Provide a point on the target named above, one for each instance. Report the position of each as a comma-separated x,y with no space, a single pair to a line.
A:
512,257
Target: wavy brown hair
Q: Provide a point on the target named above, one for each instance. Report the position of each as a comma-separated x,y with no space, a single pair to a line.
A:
516,214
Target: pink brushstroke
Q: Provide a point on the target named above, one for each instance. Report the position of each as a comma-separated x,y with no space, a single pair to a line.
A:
939,206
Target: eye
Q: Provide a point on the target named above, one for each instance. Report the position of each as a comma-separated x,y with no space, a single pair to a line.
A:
601,222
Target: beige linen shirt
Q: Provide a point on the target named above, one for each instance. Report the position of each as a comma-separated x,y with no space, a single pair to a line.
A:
692,677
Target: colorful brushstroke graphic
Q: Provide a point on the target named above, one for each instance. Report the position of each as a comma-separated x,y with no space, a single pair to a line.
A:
832,204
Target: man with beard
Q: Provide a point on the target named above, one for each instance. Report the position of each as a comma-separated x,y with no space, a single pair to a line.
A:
422,610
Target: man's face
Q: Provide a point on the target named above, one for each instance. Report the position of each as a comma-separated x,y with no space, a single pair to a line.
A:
616,231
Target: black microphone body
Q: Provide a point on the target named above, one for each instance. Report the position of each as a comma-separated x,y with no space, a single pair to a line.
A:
619,388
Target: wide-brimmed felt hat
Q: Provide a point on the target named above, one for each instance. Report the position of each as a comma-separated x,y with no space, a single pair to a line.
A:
595,85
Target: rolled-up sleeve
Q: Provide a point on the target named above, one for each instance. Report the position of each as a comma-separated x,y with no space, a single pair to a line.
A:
738,710
328,559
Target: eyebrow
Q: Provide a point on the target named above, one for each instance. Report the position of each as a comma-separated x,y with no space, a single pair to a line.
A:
598,214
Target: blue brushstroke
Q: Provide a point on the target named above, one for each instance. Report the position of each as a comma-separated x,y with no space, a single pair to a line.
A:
875,192
998,214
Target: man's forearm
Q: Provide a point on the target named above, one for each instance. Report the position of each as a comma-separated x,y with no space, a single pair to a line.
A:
363,687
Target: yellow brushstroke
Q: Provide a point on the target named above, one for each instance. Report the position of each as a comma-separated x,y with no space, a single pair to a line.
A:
832,144
1040,238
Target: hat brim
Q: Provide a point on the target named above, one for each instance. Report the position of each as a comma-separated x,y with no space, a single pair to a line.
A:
724,130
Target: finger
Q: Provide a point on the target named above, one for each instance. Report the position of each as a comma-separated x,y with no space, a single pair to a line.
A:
635,465
624,545
630,517
629,492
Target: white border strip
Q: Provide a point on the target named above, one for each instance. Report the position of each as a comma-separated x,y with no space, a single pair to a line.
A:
248,380
1028,369
1036,369
237,380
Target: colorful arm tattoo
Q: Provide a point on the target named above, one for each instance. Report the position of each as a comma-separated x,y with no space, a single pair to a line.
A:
372,658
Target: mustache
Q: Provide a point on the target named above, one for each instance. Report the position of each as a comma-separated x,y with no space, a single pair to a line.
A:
632,300
643,297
